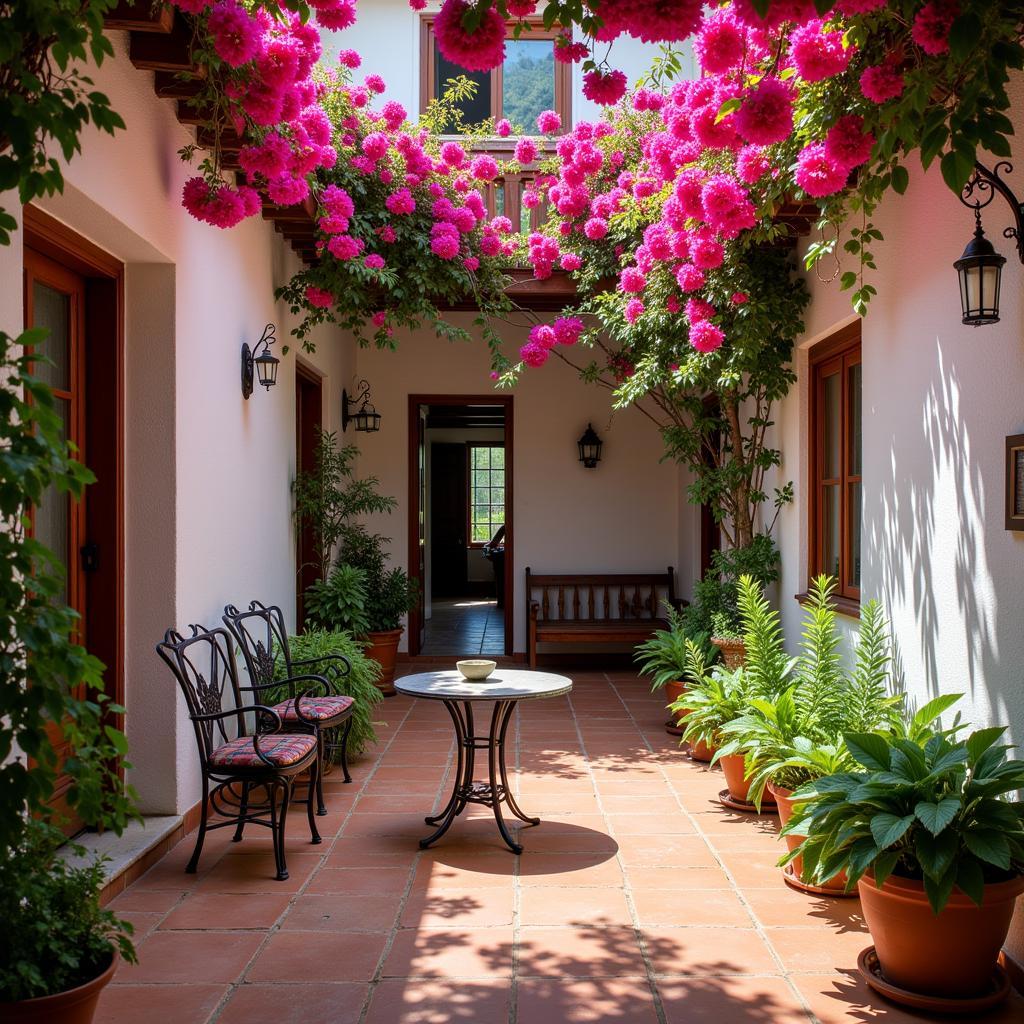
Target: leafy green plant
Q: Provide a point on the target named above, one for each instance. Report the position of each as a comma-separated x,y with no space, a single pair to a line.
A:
54,933
925,805
330,496
338,602
663,656
389,592
715,696
358,683
797,736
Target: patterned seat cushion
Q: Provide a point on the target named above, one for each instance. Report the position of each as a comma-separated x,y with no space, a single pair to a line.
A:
281,750
319,709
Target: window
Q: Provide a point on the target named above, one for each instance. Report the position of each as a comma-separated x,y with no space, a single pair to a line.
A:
835,464
528,82
486,492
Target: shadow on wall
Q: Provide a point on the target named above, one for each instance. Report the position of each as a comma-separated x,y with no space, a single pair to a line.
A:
933,542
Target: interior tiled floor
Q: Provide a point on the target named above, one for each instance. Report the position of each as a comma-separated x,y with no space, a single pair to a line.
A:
638,900
465,626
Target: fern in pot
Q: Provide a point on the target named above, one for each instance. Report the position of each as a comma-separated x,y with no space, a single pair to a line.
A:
925,828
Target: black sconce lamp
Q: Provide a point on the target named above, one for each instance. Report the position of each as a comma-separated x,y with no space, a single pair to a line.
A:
590,448
981,267
265,365
366,418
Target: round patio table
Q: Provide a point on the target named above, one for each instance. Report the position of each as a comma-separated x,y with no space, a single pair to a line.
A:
503,689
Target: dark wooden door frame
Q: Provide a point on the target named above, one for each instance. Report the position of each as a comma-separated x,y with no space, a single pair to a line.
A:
104,428
507,403
308,414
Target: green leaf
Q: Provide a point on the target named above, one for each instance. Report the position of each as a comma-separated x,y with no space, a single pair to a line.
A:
964,35
957,167
989,846
978,742
935,817
869,749
971,879
935,853
883,865
900,179
889,828
938,889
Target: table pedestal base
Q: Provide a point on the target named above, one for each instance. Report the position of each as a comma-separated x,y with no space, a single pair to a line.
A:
492,793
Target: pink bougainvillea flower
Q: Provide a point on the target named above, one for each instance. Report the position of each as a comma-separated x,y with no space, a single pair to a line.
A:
705,336
604,88
796,11
690,278
445,240
335,15
751,164
417,5
534,355
286,189
932,24
192,6
471,263
632,280
319,297
567,329
818,174
526,151
351,59
453,154
375,145
375,83
268,158
219,205
503,129
400,202
719,44
568,52
549,122
521,8
738,298
236,36
766,115
852,7
847,144
634,310
818,53
672,304
882,83
595,228
374,261
481,50
484,168
699,309
386,233
543,335
345,247
706,252
571,261
727,207
394,115
337,201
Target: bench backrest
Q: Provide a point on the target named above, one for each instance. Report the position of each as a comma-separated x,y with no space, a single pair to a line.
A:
599,597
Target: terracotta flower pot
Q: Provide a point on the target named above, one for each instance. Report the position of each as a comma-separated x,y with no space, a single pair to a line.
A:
836,883
383,649
951,954
737,781
734,652
75,1006
673,691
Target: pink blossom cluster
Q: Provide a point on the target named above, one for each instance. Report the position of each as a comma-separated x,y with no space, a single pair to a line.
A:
544,337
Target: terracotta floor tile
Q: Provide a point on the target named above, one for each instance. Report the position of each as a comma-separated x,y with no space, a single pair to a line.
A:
342,913
297,1003
370,852
455,953
568,906
318,957
360,881
617,804
254,873
430,1001
208,910
182,1004
569,869
782,906
683,876
464,908
670,822
142,924
703,951
660,850
461,868
611,1001
817,949
188,958
656,907
401,825
581,952
148,901
390,803
731,1001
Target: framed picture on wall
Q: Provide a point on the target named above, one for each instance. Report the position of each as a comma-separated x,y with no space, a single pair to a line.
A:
1015,482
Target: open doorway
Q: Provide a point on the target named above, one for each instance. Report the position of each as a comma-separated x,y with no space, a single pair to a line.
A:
309,400
460,539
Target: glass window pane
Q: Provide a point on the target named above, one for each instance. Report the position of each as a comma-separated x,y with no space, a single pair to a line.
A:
481,533
498,458
830,530
481,478
475,109
52,515
853,400
528,86
854,497
833,420
499,199
52,309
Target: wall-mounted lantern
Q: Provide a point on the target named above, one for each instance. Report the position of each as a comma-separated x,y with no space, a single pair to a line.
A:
366,418
264,365
980,267
590,448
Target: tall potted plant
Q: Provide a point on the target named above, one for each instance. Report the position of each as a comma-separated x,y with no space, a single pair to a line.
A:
925,831
57,947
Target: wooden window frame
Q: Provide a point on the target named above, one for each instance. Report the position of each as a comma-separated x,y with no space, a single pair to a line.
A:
838,353
428,71
470,445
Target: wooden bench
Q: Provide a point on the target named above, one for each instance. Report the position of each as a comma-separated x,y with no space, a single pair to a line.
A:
595,609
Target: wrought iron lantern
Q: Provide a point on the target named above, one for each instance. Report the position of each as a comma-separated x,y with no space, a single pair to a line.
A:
263,366
366,418
980,267
590,447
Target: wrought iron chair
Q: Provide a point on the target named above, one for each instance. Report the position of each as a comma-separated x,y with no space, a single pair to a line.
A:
259,632
235,761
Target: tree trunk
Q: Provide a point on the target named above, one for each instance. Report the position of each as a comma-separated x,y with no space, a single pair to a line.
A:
743,527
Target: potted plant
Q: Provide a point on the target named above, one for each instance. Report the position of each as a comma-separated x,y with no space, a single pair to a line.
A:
57,947
926,833
798,736
337,603
663,658
727,636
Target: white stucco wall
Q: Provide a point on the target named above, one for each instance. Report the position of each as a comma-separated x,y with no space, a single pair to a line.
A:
208,475
622,516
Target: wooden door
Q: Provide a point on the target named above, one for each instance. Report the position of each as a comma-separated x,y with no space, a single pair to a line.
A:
55,299
449,516
308,424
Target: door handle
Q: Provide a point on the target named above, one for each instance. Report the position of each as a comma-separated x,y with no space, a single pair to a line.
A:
90,556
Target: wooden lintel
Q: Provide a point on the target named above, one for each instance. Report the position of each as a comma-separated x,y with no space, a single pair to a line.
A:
140,16
150,51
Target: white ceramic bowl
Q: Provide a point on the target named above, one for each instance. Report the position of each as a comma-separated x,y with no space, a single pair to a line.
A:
476,669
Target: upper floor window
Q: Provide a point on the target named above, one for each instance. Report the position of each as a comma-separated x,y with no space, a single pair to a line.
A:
835,463
529,81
